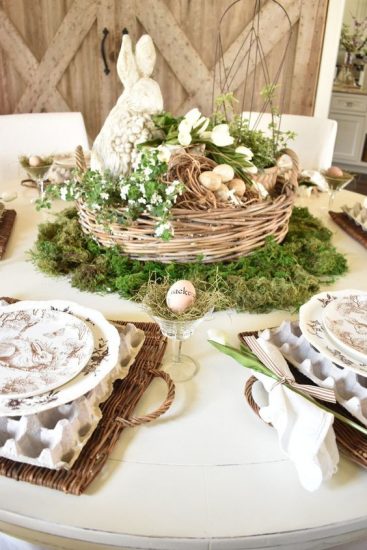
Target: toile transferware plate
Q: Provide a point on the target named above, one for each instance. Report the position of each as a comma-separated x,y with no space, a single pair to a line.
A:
40,349
55,438
313,329
345,319
104,357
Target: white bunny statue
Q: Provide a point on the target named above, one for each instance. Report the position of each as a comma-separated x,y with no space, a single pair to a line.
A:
129,122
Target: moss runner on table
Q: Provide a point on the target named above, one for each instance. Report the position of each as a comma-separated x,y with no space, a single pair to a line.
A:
276,276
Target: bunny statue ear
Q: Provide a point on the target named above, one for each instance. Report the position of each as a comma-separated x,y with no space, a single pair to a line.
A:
126,65
145,55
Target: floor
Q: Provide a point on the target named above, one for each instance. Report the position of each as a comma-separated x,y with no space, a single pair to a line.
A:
359,184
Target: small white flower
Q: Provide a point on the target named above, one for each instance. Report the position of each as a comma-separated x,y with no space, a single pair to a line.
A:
104,196
147,171
220,135
141,200
161,228
155,199
63,193
170,189
96,206
124,191
245,151
141,187
164,153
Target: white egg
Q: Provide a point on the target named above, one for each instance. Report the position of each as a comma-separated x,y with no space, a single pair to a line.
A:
180,296
34,161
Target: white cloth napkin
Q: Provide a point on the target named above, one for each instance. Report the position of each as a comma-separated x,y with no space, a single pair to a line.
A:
305,432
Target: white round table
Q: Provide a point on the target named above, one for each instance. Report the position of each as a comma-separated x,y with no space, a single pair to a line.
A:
209,474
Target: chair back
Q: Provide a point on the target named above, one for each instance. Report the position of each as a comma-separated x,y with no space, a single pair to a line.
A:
315,137
38,134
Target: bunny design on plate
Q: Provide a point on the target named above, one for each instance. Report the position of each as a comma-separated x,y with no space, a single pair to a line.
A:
129,123
22,354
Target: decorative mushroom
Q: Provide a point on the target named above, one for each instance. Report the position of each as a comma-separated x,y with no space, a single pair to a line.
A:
225,171
238,186
210,180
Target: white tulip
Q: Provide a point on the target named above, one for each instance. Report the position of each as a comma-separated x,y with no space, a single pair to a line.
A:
217,335
184,127
184,138
220,135
202,125
192,117
245,151
205,134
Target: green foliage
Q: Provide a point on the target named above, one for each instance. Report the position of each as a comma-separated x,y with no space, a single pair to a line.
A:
272,277
123,199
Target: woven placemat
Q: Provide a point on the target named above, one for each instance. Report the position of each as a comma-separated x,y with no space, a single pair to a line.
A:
350,227
6,225
351,442
117,413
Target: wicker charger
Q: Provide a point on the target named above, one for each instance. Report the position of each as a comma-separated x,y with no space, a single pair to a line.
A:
7,220
117,414
203,227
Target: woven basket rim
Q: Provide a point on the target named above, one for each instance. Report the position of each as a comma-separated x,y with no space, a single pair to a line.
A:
214,234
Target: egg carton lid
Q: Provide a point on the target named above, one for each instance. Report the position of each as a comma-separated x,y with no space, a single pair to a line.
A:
55,438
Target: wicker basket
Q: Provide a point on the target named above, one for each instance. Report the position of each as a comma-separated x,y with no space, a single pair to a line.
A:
213,234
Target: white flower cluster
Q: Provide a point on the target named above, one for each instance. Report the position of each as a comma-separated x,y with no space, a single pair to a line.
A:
161,228
145,191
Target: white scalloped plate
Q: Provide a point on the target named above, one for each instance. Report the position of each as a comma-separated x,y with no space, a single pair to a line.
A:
313,329
103,359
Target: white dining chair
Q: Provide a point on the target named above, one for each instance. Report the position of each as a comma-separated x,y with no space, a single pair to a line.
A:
315,137
38,134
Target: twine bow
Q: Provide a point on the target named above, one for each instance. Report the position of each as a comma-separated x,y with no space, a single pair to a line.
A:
325,394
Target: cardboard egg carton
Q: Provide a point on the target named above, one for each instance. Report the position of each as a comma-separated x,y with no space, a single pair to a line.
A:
350,388
55,438
358,213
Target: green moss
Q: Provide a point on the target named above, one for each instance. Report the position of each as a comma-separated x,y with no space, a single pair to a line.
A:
273,277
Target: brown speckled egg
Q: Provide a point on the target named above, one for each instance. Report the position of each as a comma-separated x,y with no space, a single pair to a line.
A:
334,172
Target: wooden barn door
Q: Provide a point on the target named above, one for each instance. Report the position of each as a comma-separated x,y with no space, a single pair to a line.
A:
49,58
50,51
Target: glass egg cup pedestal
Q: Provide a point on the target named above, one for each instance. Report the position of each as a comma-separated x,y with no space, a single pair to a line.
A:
39,173
179,366
335,184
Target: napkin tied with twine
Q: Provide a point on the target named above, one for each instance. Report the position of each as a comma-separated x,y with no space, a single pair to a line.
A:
305,431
